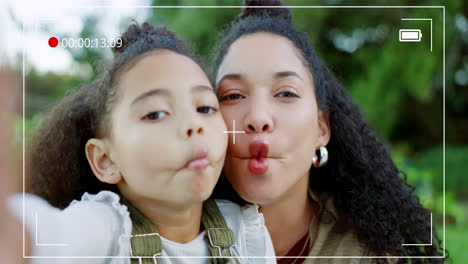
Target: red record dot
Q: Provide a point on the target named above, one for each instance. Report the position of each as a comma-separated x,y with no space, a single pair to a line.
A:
53,42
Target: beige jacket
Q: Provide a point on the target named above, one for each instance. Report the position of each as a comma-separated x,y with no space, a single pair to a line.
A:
329,239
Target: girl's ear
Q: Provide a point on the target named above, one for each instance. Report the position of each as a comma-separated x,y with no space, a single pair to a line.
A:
325,130
100,161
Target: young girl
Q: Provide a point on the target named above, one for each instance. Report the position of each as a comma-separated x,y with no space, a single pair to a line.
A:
150,131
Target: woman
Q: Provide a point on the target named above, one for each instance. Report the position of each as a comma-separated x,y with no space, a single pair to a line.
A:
296,117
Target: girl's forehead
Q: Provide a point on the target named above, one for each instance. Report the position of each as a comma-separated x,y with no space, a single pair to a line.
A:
163,61
162,69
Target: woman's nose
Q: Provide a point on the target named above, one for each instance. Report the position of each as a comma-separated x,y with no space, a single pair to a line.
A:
258,126
258,120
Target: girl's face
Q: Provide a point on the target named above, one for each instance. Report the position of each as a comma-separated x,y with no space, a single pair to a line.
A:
167,139
269,93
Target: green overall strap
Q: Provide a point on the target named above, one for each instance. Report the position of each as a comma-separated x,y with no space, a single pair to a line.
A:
145,240
219,237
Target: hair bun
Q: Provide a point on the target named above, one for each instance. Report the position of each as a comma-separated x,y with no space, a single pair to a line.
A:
146,31
281,13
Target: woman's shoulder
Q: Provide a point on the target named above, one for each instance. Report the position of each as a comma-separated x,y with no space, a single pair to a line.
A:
331,235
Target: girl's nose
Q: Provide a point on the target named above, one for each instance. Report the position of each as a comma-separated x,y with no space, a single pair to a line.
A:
195,130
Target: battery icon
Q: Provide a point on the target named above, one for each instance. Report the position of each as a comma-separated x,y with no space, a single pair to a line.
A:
410,35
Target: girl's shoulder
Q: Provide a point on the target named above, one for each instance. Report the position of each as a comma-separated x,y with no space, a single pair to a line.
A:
247,215
106,205
95,225
106,201
103,206
248,225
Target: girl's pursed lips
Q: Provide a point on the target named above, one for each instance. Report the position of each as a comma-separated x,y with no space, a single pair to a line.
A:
199,160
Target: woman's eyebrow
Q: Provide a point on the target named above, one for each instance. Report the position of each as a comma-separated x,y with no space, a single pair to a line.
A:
277,75
230,76
283,74
153,92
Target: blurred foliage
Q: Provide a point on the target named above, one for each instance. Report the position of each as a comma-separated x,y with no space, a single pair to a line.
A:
88,59
200,26
426,174
399,86
44,90
457,239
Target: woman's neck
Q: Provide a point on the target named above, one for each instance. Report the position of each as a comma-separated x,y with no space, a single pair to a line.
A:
176,223
288,218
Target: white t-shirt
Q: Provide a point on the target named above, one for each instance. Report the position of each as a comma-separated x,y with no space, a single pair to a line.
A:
97,230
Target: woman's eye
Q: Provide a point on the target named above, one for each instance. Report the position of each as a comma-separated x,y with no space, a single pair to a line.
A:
287,94
231,97
155,115
206,109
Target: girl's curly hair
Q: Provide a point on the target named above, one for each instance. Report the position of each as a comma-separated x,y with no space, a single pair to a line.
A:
361,176
57,169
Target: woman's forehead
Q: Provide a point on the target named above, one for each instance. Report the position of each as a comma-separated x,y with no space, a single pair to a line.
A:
262,55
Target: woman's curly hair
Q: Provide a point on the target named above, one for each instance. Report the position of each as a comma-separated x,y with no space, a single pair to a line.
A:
57,168
361,177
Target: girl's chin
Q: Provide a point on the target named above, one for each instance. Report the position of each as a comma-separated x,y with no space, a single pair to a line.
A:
201,193
191,199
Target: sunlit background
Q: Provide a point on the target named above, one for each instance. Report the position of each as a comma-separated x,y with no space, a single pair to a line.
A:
398,85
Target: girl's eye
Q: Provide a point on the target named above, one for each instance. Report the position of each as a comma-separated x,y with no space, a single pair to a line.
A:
230,97
155,115
287,94
206,109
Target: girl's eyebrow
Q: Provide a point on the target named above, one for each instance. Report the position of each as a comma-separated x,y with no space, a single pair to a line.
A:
166,92
153,92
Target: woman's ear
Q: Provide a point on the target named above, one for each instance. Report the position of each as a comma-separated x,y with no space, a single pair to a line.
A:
325,130
104,169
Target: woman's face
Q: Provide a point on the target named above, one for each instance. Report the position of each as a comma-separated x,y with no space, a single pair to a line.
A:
268,91
167,139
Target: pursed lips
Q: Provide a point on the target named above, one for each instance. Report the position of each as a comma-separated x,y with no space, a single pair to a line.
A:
199,160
